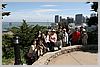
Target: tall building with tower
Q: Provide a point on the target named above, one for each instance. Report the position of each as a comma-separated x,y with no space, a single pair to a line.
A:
56,18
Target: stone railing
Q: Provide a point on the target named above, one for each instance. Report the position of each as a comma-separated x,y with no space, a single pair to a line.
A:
63,51
46,58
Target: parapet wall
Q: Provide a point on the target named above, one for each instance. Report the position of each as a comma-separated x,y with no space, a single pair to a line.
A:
44,60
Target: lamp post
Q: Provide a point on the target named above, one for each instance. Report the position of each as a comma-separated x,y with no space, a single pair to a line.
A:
17,51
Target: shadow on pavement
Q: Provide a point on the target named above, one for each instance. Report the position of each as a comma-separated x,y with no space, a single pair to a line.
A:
90,48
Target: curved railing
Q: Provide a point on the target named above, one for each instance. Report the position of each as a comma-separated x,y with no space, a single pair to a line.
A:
58,53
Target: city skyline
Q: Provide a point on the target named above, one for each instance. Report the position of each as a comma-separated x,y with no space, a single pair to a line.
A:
44,11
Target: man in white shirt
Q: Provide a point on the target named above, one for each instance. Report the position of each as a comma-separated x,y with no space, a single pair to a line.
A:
65,37
53,39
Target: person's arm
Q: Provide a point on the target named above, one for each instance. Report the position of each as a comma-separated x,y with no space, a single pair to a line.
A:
67,38
55,37
87,36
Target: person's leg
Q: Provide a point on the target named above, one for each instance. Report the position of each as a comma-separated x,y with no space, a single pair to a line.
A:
36,55
60,43
52,46
85,41
48,46
82,41
70,43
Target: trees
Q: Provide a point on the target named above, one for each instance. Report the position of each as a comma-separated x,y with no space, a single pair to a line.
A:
93,20
94,6
7,46
27,34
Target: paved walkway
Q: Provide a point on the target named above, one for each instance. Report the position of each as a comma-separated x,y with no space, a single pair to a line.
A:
76,58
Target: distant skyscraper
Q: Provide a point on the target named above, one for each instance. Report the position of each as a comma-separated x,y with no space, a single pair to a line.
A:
79,19
87,19
56,18
60,18
84,19
70,19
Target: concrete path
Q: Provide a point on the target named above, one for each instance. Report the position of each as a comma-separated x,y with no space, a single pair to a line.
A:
76,58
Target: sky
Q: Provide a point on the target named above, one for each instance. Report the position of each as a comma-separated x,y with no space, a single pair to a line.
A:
44,11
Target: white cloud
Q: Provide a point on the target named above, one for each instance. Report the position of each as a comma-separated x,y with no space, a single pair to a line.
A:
47,10
49,5
74,9
28,16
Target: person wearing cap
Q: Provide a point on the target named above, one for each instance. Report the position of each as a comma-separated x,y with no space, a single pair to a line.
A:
65,37
81,31
84,37
76,37
53,39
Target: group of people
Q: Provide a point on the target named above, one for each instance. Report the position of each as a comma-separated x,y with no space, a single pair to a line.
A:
79,36
65,37
57,38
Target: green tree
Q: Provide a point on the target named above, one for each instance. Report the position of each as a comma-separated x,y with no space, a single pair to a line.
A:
94,6
93,20
7,46
26,33
93,36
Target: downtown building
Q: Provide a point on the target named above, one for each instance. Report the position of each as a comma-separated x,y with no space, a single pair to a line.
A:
70,20
79,19
62,21
57,18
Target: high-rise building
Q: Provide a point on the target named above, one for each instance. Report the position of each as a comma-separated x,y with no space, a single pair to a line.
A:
79,18
56,18
60,18
70,19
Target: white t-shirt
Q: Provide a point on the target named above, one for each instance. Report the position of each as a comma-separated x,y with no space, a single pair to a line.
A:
53,38
47,39
65,39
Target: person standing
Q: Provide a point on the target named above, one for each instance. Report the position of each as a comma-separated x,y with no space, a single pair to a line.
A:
59,38
70,37
81,31
31,55
47,40
65,37
76,37
53,39
84,37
